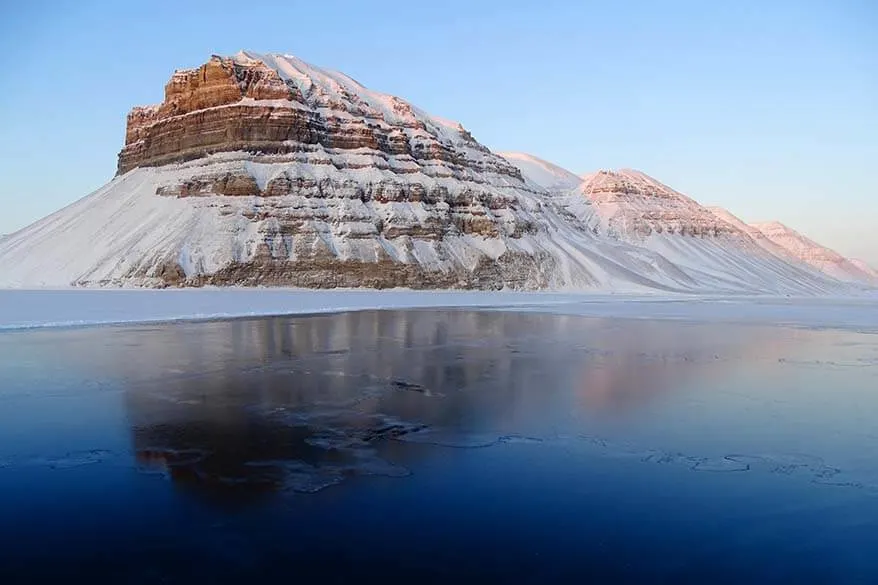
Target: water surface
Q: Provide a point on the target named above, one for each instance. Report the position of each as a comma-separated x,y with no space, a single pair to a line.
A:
436,446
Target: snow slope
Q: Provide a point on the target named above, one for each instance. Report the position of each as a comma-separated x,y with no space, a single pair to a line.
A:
710,244
713,246
542,173
865,268
125,228
711,250
107,233
807,250
757,236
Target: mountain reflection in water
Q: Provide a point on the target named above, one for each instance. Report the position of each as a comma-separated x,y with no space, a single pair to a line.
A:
256,406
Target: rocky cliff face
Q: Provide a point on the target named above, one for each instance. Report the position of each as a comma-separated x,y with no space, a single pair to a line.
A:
272,104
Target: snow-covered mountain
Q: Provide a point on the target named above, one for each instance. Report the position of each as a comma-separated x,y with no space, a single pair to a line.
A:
807,250
262,169
709,243
638,209
265,170
632,206
757,236
866,268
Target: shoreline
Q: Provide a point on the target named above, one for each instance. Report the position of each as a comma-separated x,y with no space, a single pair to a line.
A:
41,309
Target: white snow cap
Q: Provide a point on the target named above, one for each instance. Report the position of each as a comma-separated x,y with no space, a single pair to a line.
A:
334,84
542,173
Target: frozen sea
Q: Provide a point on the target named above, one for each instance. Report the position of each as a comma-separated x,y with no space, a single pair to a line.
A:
437,445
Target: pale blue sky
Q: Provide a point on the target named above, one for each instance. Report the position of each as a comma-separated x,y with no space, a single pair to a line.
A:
767,108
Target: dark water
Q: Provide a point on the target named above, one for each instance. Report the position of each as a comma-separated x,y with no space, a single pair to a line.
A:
433,446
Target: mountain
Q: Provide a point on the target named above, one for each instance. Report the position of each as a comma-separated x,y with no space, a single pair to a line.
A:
718,251
543,174
636,208
757,236
633,206
265,170
866,268
802,248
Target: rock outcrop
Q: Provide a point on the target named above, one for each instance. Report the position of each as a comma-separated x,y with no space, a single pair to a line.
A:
271,104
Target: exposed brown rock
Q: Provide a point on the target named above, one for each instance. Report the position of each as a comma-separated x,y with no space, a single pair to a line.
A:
226,106
470,212
509,271
228,184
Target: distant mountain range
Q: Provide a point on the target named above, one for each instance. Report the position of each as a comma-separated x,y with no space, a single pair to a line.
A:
632,206
265,170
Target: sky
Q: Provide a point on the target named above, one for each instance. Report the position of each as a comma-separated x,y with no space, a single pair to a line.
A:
769,109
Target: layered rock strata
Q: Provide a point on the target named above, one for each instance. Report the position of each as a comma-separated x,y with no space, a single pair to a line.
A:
633,205
241,103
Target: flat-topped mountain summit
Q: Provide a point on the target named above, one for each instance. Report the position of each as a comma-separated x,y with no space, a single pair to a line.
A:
278,104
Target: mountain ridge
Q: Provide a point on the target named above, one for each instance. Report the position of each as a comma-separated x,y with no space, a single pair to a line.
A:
633,206
265,170
807,250
545,174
